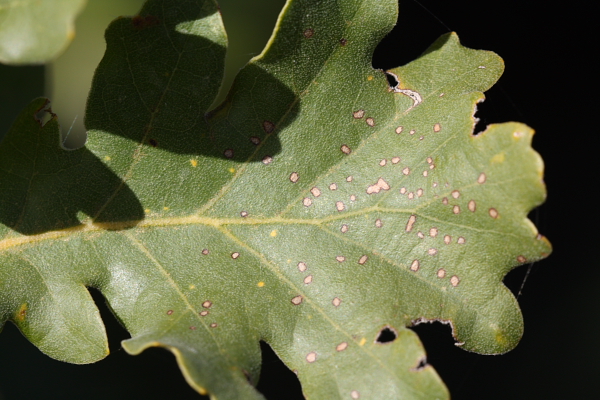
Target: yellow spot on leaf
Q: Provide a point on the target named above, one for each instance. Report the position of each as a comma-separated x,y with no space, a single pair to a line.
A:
106,158
22,313
498,158
232,170
273,233
370,78
166,208
362,341
194,163
147,211
192,287
501,339
260,284
499,334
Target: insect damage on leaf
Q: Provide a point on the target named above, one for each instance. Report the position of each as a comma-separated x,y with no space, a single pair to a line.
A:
315,209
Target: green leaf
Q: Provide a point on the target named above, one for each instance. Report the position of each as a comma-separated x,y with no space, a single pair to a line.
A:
316,209
36,31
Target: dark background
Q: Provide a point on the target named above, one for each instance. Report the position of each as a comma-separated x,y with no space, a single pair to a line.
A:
548,85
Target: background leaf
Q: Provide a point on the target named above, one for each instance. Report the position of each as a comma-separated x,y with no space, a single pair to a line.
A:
33,32
404,102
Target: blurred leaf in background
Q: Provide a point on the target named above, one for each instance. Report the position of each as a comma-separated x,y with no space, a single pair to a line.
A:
69,77
34,32
249,25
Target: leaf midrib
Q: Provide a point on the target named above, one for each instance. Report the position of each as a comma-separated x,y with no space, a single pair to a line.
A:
90,227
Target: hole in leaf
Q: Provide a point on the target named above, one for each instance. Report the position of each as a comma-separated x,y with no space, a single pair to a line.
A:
386,335
44,115
276,380
481,119
421,364
142,22
392,79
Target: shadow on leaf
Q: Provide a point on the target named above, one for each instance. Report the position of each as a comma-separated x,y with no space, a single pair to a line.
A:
43,186
161,73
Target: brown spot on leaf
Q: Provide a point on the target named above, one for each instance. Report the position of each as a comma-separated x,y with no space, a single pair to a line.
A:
415,266
494,213
342,346
454,281
472,206
358,114
308,33
380,185
22,313
268,126
144,22
411,222
482,178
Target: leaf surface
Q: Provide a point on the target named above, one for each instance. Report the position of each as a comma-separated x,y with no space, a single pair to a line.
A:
316,209
34,31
